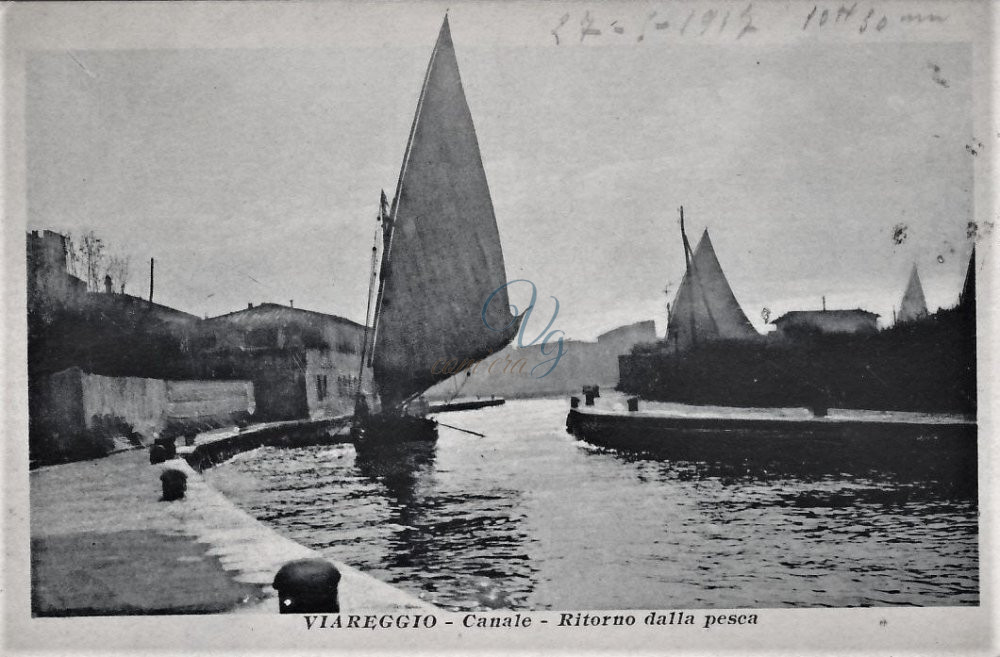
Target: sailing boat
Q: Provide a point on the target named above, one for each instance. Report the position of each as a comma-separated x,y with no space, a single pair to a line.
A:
913,307
762,439
441,280
705,308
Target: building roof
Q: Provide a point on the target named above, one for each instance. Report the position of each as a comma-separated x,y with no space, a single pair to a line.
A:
277,313
644,326
816,314
132,301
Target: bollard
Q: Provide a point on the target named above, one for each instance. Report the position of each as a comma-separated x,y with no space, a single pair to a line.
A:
307,586
174,484
157,454
633,404
589,401
574,402
168,446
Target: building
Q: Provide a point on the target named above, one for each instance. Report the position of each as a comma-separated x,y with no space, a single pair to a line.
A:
104,366
804,323
301,363
50,285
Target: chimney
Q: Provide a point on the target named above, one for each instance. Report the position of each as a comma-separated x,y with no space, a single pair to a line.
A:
824,304
249,305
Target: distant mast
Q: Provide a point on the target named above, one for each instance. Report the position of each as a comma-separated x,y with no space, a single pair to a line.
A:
687,272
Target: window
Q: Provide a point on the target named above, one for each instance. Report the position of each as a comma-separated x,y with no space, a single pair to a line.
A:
346,385
321,387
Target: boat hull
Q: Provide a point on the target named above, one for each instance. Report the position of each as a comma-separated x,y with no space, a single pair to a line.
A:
389,429
821,445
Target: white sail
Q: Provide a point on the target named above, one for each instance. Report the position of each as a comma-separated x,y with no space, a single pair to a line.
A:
705,308
913,306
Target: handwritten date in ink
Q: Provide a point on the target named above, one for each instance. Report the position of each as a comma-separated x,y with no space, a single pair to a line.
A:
679,21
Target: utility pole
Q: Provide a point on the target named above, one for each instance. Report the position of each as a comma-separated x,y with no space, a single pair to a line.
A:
151,280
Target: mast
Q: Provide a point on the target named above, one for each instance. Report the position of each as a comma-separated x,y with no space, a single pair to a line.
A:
688,256
368,307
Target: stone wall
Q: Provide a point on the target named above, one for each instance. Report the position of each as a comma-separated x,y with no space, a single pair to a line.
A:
80,415
139,403
192,402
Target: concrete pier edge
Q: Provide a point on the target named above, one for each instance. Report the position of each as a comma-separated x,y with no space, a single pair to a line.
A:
119,494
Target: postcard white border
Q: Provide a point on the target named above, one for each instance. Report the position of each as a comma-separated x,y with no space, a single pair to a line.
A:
81,26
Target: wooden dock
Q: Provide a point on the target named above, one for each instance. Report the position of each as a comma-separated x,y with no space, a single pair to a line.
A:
912,444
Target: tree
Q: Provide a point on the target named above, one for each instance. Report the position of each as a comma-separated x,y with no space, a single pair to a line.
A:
72,256
119,270
92,255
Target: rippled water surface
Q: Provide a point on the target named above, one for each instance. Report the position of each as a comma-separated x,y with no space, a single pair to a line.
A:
529,517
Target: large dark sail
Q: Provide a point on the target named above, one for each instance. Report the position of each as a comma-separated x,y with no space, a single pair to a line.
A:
442,257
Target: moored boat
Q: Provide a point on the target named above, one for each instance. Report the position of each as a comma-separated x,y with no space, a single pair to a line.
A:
819,439
840,441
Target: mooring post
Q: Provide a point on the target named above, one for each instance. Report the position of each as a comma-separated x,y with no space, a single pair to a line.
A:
157,454
307,586
574,402
174,484
168,445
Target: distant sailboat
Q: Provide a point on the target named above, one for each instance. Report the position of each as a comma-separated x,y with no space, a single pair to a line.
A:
441,261
913,306
705,308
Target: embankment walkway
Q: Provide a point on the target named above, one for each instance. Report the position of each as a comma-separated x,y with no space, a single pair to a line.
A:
103,543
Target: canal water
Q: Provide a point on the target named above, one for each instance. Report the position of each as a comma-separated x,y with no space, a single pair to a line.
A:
528,517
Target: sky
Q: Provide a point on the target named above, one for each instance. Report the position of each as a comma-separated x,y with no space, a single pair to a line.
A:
253,174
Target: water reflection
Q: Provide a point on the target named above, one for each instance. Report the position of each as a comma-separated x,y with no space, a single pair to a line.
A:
455,539
397,466
949,475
